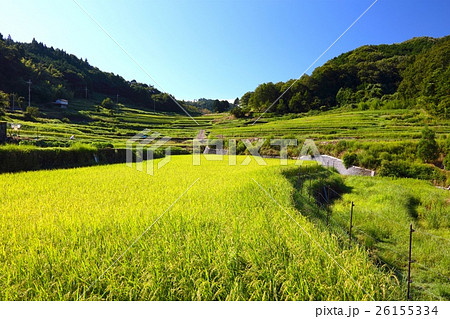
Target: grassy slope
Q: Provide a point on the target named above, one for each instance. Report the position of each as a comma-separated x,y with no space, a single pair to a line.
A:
384,125
383,212
224,240
82,120
384,209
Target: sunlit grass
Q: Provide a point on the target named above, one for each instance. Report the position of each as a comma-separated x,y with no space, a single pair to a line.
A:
225,239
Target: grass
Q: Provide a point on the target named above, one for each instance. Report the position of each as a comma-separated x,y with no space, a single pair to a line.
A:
384,209
87,124
370,125
225,239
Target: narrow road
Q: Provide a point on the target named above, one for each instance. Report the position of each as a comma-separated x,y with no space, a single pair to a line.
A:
201,135
330,161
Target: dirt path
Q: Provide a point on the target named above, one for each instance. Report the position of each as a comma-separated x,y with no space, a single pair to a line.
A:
201,135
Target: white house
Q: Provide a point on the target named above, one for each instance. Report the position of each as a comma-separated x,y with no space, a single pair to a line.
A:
62,103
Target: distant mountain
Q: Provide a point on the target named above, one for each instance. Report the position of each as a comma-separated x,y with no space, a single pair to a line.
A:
415,73
56,74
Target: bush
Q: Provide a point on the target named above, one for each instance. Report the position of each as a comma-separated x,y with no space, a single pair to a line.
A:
350,159
447,162
15,158
102,145
238,112
108,103
31,112
240,148
410,170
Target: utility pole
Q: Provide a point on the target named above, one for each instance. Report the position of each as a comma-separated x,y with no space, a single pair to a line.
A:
153,105
13,96
117,98
86,90
29,92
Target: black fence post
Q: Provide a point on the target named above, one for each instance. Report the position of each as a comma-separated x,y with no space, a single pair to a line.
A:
351,226
328,203
328,214
410,261
310,189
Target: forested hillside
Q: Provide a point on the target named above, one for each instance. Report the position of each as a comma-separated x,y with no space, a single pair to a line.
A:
414,73
56,74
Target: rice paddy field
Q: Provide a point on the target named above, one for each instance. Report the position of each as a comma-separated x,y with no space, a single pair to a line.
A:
88,124
189,232
370,125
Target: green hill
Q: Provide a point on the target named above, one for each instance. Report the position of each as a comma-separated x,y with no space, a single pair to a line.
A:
56,74
414,73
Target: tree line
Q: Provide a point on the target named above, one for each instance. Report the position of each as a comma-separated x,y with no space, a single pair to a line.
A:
414,73
56,74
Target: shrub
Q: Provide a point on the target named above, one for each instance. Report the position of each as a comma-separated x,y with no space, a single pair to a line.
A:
240,147
108,103
410,170
31,112
447,162
102,145
350,159
369,161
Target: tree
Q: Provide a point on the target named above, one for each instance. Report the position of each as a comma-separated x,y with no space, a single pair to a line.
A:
236,102
344,96
237,111
427,149
220,106
245,98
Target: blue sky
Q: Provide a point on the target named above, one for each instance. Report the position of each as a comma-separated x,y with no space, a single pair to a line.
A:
217,49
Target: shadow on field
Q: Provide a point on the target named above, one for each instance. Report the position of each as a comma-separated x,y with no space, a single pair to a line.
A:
315,190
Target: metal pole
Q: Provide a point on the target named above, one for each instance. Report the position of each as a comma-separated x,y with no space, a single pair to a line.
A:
309,193
328,202
351,225
410,261
29,92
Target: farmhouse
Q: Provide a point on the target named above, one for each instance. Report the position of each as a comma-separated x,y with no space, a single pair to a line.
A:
62,103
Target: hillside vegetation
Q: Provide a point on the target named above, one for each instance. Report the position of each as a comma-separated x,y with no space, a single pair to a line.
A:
414,73
56,74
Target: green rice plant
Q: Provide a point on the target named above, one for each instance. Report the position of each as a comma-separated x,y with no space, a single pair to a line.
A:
208,232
